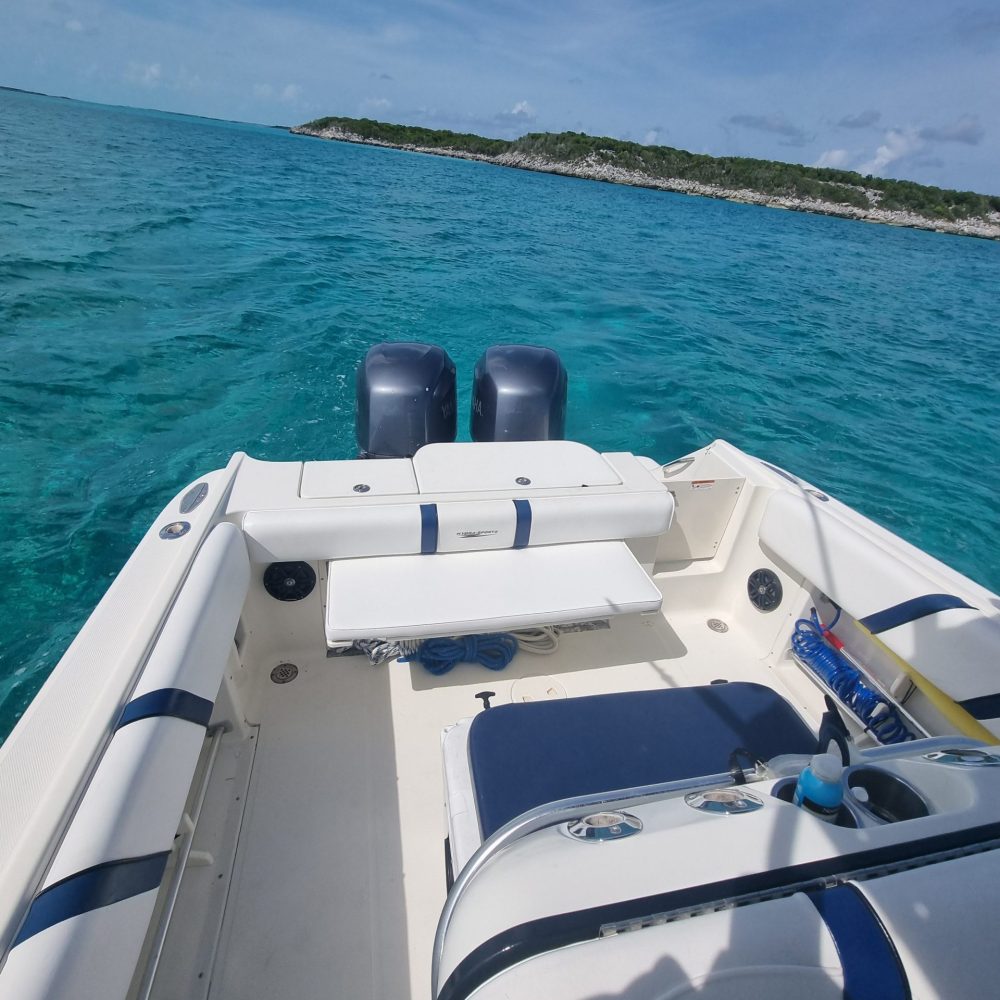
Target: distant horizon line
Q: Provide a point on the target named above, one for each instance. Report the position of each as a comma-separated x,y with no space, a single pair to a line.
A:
289,128
141,107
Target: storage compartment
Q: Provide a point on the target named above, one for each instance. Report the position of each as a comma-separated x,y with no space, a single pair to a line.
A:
705,492
885,796
511,466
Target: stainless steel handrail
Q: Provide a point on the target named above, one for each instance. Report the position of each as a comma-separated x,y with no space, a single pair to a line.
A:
550,814
181,858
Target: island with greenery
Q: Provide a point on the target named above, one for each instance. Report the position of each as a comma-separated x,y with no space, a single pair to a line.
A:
761,182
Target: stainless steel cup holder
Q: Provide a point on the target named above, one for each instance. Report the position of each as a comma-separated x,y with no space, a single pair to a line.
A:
884,795
785,790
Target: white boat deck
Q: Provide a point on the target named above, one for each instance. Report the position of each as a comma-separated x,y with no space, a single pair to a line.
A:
324,890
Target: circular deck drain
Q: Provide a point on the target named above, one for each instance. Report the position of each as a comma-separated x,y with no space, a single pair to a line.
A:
176,529
284,672
764,589
717,625
599,827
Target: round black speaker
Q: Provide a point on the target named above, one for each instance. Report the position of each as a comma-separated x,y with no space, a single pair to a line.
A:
289,581
764,589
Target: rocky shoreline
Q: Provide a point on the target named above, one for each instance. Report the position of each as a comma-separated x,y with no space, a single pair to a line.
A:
594,169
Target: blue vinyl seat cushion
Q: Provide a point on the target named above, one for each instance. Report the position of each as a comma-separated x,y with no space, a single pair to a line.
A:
524,755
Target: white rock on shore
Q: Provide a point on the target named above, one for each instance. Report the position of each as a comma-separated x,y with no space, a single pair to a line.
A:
592,168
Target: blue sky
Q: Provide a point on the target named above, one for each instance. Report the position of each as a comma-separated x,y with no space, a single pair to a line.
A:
902,89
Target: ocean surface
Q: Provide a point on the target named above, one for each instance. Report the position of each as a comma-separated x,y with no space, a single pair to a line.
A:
174,289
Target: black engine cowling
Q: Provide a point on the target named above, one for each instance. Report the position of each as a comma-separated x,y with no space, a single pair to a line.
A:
405,399
519,394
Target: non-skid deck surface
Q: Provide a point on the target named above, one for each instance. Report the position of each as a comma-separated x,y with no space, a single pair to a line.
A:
340,873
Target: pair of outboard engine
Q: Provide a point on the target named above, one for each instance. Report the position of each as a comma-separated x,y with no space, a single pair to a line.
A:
406,397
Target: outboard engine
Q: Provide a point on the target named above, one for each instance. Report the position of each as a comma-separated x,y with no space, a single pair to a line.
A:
405,399
519,394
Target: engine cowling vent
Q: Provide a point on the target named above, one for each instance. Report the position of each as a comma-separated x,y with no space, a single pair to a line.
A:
764,589
289,581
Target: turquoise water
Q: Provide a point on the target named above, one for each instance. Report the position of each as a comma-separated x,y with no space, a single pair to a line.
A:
174,289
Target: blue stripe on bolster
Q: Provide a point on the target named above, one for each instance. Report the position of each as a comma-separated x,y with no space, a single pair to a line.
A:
872,969
986,706
522,530
910,611
167,701
91,889
428,528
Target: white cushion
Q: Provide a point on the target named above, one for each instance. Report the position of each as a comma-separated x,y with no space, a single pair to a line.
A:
410,597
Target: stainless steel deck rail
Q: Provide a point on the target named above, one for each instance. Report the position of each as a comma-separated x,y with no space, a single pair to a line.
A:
181,855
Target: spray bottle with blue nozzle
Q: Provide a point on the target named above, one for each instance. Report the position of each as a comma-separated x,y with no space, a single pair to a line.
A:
819,789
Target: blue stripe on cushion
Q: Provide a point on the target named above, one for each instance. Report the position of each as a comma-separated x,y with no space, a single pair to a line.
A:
872,969
910,611
522,530
92,889
985,707
172,702
428,528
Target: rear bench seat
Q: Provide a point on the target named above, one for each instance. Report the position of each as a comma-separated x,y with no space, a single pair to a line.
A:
511,758
474,537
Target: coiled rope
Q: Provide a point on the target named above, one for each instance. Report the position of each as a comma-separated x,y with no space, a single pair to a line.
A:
493,650
812,646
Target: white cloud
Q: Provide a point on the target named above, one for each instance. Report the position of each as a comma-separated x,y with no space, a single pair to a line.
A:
521,114
897,145
262,91
651,137
834,158
73,25
148,74
375,104
291,92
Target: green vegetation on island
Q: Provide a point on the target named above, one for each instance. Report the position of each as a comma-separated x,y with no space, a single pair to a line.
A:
730,173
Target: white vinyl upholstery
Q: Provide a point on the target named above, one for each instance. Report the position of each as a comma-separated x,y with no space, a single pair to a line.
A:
574,495
410,597
778,950
133,805
865,578
464,836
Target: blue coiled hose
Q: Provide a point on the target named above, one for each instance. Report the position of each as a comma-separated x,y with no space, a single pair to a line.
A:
494,650
843,678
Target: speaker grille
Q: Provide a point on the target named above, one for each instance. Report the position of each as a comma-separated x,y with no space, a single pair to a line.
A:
764,589
289,581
